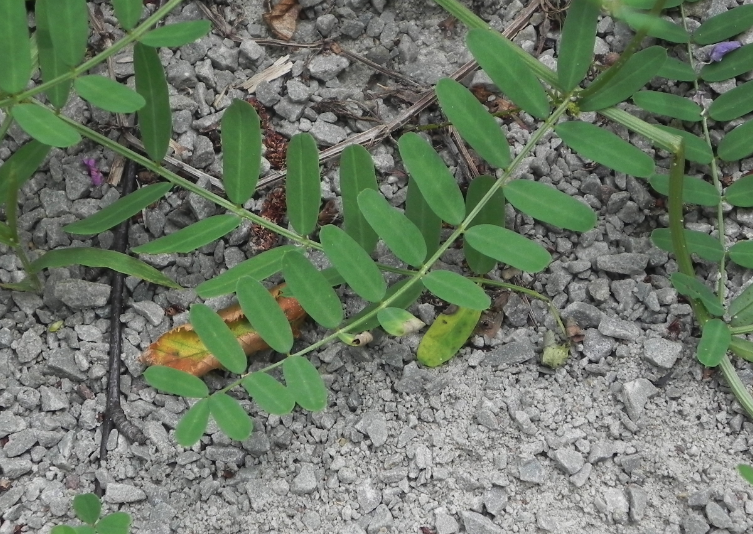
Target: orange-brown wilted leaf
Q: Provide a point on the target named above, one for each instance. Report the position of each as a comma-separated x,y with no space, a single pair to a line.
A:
181,348
282,19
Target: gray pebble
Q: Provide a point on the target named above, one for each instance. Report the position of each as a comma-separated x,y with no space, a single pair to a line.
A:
532,471
326,68
602,450
368,497
19,443
581,477
615,503
89,333
662,352
568,460
478,524
250,53
625,263
224,58
203,152
328,134
201,207
596,345
444,523
289,110
297,91
638,500
325,24
29,347
60,362
123,493
181,75
257,444
80,294
635,395
694,523
374,425
413,379
53,399
586,315
495,500
617,328
55,203
381,521
717,516
305,481
510,354
15,467
523,420
700,499
152,311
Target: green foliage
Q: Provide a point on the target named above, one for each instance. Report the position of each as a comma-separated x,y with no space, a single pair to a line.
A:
241,151
218,338
88,509
265,316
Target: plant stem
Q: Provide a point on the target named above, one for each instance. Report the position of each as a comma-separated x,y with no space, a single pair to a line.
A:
5,126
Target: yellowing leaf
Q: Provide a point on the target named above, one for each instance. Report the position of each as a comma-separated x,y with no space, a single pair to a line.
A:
446,335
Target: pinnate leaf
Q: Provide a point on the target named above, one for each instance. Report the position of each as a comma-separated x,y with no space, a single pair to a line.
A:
193,424
217,338
175,381
62,529
714,343
269,394
735,63
155,121
694,190
706,246
734,103
108,94
724,25
456,289
312,290
655,26
353,263
302,186
230,416
742,253
508,247
87,507
264,314
473,121
15,59
736,144
69,29
44,126
493,212
741,308
398,322
49,59
21,165
241,150
304,382
692,288
175,35
193,236
120,210
674,69
128,12
577,46
550,205
742,348
407,297
419,213
668,105
740,193
356,174
447,334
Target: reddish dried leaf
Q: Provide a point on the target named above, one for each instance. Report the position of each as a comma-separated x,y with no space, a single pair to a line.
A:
181,348
282,19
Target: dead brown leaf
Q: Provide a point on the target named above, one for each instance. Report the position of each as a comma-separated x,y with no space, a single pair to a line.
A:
282,19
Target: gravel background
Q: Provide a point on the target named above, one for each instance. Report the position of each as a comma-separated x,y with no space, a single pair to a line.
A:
491,442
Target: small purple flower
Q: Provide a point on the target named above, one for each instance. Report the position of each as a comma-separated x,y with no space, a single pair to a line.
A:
94,173
722,49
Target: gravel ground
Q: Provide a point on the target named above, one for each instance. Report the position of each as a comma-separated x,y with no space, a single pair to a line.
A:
630,436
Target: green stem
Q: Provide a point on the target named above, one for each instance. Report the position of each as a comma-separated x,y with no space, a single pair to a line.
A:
5,126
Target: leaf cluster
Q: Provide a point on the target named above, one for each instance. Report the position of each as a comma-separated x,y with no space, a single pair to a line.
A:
88,509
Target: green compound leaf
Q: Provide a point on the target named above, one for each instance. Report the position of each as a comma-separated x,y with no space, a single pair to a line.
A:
501,60
108,94
706,246
746,472
674,69
420,214
176,382
230,416
116,523
741,308
655,26
193,424
304,382
302,188
119,211
696,148
264,314
241,149
577,45
742,254
69,30
44,126
736,145
734,103
668,105
493,212
259,267
742,348
175,35
63,529
434,179
49,59
405,299
446,336
353,263
312,290
15,60
87,507
94,257
269,394
714,343
193,236
402,237
724,25
473,121
456,289
155,121
217,337
694,289
128,12
606,148
508,247
733,64
550,205
21,165
636,72
356,174
694,190
398,322
740,193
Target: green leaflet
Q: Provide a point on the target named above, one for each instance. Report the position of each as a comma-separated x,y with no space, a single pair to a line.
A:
446,336
21,165
545,203
94,257
508,247
69,30
606,148
302,187
706,246
304,382
408,297
269,394
746,472
265,315
724,25
193,424
493,212
155,121
230,416
741,308
734,103
353,263
714,343
736,145
128,12
733,64
175,35
44,126
636,72
696,148
577,45
193,236
742,253
15,59
692,288
398,322
87,507
312,290
505,63
742,348
241,149
474,122
115,523
120,210
694,190
108,94
420,214
456,289
655,26
176,382
356,174
674,69
398,233
668,105
434,179
217,338
740,193
64,529
49,59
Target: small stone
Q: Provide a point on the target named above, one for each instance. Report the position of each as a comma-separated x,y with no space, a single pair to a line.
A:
662,352
14,467
53,399
123,493
568,460
532,471
616,504
626,263
152,311
617,328
257,444
326,68
636,394
444,523
328,134
305,481
325,24
700,499
10,424
61,362
374,425
224,58
381,521
297,91
79,294
638,499
717,516
693,523
495,500
596,345
580,478
510,354
19,443
181,75
478,524
203,153
368,497
586,315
